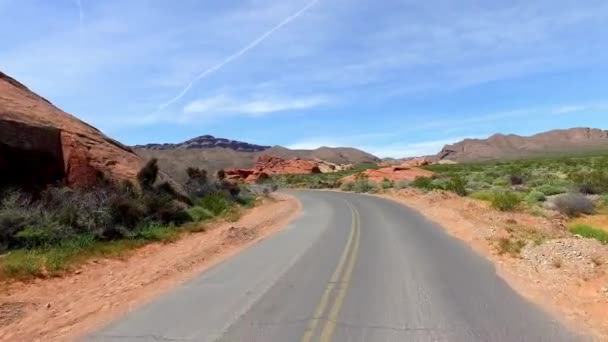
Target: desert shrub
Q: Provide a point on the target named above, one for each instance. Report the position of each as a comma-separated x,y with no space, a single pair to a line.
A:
157,232
365,186
402,184
509,246
216,203
347,186
458,185
200,214
550,189
590,182
424,183
148,174
387,184
590,232
127,212
573,205
501,182
516,180
220,175
483,195
535,197
505,201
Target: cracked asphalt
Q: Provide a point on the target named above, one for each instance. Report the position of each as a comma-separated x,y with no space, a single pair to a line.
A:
350,268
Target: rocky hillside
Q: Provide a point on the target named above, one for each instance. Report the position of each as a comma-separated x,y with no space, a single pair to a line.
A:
217,153
40,144
500,146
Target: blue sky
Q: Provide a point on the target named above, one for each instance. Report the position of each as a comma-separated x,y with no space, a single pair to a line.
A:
394,77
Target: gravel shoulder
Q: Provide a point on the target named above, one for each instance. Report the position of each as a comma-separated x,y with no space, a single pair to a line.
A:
565,275
61,309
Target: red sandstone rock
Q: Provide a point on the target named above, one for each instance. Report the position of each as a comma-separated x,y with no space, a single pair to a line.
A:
34,131
394,173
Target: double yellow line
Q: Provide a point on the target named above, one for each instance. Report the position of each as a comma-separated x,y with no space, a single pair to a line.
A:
341,277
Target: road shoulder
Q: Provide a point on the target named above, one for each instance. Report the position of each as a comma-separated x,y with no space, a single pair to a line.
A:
574,291
65,308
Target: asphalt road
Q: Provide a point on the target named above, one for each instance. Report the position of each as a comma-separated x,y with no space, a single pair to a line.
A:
350,268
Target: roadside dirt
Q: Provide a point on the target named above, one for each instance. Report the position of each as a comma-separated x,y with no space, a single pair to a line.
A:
565,275
63,309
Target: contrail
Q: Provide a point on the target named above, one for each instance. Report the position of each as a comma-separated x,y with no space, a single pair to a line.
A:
80,16
239,53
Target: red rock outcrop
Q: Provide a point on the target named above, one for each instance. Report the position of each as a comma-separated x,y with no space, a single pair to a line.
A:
394,173
269,165
41,143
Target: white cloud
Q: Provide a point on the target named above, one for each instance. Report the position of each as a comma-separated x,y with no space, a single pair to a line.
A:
256,106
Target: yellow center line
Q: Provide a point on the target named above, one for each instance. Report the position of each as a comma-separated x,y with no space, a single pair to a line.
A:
314,321
330,324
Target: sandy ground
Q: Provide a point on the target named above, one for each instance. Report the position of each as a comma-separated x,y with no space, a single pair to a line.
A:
63,309
565,275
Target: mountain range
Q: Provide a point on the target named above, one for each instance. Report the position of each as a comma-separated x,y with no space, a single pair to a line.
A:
213,153
500,146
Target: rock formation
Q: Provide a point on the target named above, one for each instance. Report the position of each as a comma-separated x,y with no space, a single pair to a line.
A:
393,173
40,144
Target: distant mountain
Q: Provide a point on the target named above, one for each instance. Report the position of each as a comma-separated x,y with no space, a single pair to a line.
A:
206,141
556,142
213,154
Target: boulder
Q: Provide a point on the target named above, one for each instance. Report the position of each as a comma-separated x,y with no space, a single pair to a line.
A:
40,144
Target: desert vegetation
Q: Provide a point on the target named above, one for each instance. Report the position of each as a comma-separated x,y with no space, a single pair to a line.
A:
319,180
45,232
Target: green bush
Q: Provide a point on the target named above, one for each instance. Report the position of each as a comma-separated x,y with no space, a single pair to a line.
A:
424,183
387,184
347,186
200,214
505,201
550,189
216,203
534,197
365,186
458,185
590,232
483,196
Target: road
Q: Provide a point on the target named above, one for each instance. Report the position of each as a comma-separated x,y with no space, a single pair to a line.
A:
350,268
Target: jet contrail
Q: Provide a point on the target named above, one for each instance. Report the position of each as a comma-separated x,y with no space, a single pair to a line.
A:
239,53
80,16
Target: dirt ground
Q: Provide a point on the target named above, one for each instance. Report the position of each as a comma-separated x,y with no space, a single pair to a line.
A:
63,309
565,275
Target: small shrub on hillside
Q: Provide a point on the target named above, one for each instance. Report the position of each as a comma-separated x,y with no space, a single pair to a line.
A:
200,214
534,197
216,203
148,174
387,184
347,186
590,232
402,184
574,205
508,246
127,212
424,183
505,201
458,185
365,186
